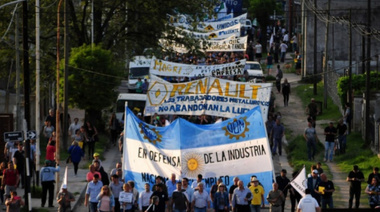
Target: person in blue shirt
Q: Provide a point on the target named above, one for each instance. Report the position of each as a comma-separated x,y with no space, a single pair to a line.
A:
47,176
93,189
76,154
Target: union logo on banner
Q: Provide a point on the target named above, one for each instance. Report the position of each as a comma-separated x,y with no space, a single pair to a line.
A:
151,134
237,128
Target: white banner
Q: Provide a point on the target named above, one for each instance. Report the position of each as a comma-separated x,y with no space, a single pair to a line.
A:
300,182
218,25
231,44
218,34
166,68
209,95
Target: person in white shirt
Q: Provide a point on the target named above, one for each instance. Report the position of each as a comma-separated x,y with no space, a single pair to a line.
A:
283,48
201,200
144,198
259,50
308,203
189,191
74,127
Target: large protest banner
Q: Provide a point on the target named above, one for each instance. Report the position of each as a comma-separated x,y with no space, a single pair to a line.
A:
218,34
165,68
209,95
234,147
230,44
218,25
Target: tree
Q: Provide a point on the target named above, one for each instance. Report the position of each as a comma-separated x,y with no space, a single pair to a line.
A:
92,79
262,9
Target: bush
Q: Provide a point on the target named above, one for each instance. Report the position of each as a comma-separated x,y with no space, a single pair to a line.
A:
36,192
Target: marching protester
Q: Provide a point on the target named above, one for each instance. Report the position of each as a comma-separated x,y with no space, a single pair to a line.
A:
64,199
275,198
241,198
106,201
258,198
93,189
180,200
221,202
145,198
76,155
14,202
308,203
373,191
201,200
325,190
283,183
355,177
116,187
11,178
313,183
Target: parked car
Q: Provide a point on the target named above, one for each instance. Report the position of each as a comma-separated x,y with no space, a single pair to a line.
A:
254,70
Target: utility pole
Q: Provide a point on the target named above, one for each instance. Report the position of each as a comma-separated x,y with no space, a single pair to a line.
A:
26,92
326,56
291,19
368,77
38,112
350,68
66,70
315,51
303,65
57,145
17,45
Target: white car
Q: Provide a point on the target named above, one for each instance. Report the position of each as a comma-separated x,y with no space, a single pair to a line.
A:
254,71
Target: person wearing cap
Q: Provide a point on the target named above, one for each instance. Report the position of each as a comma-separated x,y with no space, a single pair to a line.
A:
47,176
355,177
221,202
313,183
258,195
308,203
93,189
96,158
330,132
283,183
275,198
64,198
241,198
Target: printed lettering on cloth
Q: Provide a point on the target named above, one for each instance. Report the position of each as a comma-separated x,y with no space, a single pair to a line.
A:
230,44
166,68
217,34
209,95
300,182
234,147
218,25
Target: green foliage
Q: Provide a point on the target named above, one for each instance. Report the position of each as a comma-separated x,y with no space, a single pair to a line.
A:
93,77
358,84
297,153
357,153
305,92
36,192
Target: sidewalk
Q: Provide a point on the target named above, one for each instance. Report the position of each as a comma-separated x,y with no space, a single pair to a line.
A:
76,185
